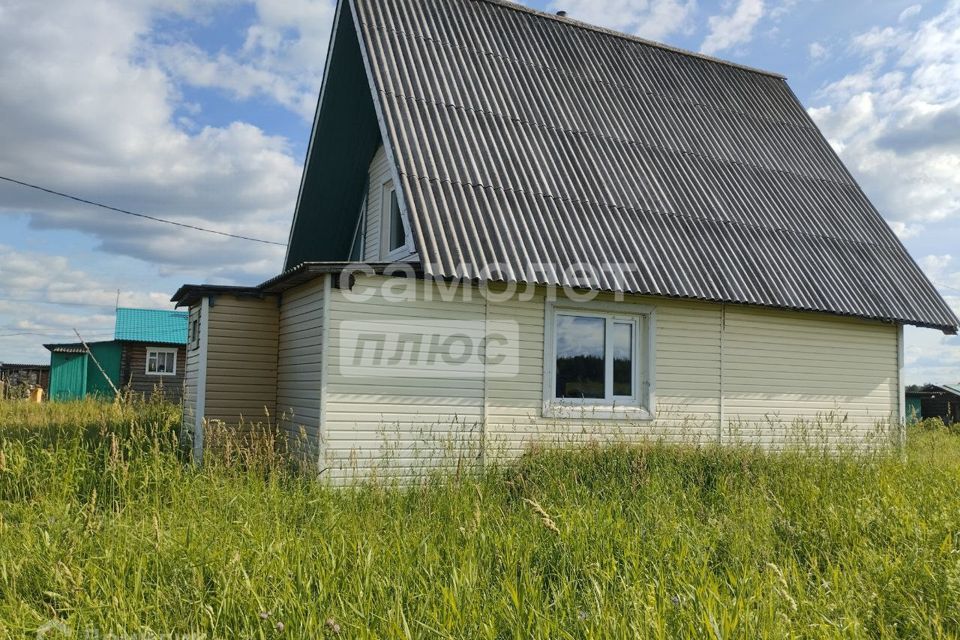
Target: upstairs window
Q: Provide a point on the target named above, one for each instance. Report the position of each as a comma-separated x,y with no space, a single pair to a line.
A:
393,236
193,332
161,362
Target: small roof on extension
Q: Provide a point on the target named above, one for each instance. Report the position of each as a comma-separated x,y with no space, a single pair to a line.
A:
151,325
70,347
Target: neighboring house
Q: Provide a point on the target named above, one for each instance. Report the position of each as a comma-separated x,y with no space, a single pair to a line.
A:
936,401
146,356
597,236
17,379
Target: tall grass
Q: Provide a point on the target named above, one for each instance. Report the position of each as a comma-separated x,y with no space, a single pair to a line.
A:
106,526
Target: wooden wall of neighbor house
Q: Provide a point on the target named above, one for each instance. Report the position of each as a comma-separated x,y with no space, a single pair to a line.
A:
134,377
299,363
379,174
940,404
242,359
722,373
18,381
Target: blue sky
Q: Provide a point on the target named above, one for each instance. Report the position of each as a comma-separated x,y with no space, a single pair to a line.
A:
199,110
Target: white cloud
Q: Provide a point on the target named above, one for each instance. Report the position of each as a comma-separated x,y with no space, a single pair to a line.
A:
86,110
728,31
896,120
44,298
817,51
904,230
282,56
931,356
910,12
652,19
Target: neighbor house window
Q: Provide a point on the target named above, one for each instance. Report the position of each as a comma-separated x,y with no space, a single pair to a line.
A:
194,333
161,362
599,359
393,237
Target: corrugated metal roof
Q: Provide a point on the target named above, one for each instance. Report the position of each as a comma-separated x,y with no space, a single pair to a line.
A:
952,388
151,325
67,348
529,146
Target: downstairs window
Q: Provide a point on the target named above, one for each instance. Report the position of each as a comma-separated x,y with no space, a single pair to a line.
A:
598,361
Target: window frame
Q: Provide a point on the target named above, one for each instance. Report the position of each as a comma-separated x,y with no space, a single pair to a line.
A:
193,332
641,404
386,225
159,350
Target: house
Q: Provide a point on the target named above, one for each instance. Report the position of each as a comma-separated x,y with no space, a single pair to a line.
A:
18,379
936,401
516,227
146,356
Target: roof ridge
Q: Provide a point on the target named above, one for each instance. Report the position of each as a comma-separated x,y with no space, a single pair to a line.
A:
508,4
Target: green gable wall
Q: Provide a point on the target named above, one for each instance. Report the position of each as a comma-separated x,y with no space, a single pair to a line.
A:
109,355
74,376
345,138
68,376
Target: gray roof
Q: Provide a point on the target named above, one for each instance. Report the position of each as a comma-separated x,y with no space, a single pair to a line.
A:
522,139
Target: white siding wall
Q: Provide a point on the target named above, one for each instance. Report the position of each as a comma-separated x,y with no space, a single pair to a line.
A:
299,360
384,423
777,367
379,174
780,367
242,359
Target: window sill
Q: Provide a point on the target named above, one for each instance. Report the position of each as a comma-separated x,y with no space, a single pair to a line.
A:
596,412
403,254
162,375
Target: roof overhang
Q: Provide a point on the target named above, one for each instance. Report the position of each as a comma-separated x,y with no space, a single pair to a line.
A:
954,391
190,294
347,272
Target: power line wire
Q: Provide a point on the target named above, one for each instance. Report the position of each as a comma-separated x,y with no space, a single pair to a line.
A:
54,337
66,304
946,286
140,215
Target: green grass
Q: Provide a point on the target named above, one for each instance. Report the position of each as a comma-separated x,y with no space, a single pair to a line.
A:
104,526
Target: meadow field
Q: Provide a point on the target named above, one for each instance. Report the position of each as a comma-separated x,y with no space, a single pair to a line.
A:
107,530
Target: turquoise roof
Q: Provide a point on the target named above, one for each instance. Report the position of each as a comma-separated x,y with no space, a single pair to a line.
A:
151,325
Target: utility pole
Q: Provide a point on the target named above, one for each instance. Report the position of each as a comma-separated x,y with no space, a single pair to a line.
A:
96,362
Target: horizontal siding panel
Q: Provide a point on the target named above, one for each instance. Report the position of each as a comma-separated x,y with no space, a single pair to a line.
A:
242,358
300,355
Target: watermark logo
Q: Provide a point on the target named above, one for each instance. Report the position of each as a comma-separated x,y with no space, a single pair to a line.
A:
493,282
429,348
